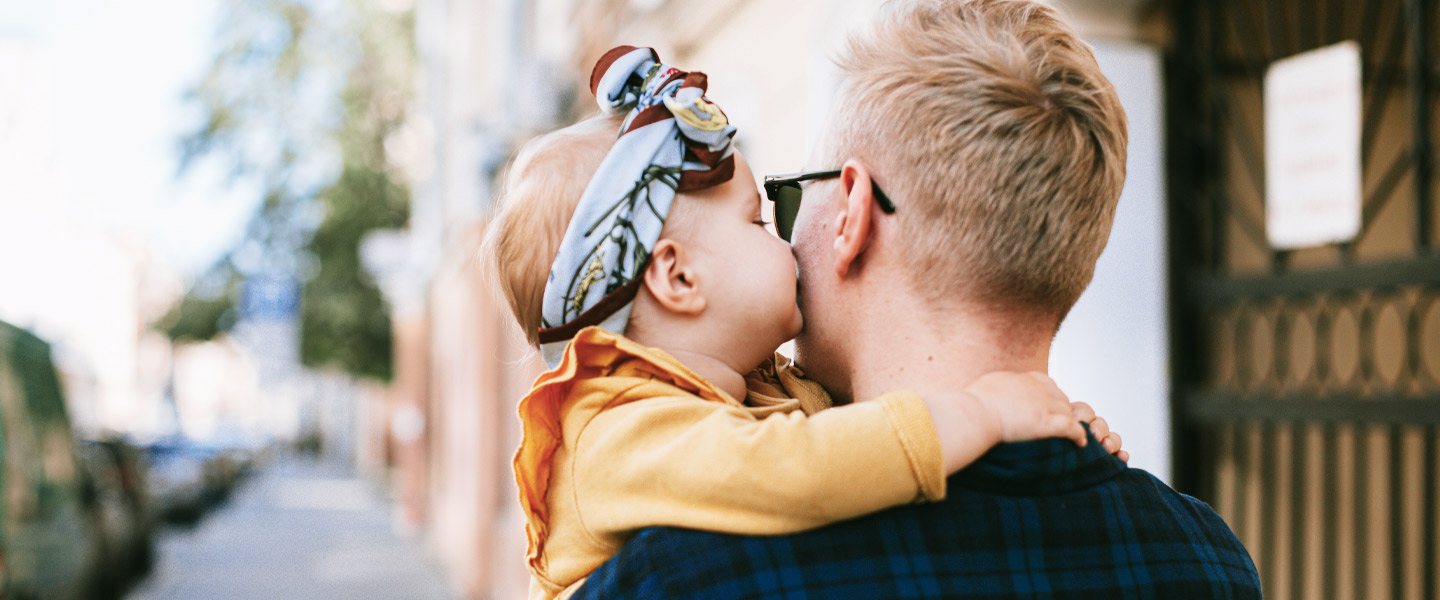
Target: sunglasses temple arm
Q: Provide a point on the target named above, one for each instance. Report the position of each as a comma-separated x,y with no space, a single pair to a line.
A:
885,203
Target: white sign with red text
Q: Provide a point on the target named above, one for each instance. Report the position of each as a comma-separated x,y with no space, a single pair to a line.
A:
1312,147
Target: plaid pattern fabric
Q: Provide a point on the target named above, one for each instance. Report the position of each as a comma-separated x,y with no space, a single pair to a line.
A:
1034,520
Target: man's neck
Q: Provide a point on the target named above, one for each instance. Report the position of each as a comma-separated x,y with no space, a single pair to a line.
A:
919,351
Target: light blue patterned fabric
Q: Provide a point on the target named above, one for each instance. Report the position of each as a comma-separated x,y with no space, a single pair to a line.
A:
673,140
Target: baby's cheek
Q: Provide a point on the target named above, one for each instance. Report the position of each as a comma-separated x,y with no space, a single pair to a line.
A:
785,272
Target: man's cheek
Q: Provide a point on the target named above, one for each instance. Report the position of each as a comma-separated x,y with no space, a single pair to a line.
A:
802,243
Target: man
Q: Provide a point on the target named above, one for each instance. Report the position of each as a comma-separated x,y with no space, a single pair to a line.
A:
1001,149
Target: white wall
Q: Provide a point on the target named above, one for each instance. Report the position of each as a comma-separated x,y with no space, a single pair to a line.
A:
1113,350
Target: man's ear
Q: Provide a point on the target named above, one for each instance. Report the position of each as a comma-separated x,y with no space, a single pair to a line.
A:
672,280
853,224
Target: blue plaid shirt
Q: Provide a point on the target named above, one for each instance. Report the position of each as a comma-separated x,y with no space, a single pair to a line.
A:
1039,519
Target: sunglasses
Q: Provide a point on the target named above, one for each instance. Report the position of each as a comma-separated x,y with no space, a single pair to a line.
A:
785,191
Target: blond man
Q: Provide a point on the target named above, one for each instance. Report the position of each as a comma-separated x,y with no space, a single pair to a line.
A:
955,213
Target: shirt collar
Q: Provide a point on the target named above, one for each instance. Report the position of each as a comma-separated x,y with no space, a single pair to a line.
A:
1053,466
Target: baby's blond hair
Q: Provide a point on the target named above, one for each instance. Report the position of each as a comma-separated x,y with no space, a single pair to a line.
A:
541,192
991,126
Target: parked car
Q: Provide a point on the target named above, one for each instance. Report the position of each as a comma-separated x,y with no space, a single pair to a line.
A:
179,482
124,504
50,541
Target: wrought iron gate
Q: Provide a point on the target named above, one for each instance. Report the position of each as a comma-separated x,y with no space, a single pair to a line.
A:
1307,383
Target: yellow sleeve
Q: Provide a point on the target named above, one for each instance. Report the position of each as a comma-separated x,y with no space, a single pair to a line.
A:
683,462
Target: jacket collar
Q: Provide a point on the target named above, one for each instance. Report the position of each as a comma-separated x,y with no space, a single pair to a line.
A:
1041,467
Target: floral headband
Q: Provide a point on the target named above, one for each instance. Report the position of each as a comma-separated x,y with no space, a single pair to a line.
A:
673,140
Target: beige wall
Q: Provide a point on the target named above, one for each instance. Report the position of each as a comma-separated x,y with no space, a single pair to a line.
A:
466,413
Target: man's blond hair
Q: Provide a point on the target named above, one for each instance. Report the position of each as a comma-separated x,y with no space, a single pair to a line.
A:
541,192
991,126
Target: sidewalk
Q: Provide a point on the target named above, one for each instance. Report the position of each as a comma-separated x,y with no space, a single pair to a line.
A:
300,528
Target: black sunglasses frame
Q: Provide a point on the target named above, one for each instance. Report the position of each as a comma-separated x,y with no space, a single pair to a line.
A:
774,184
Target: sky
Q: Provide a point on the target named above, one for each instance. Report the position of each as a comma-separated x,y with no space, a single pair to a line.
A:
112,77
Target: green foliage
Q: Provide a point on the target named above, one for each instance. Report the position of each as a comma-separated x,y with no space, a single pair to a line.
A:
344,321
199,318
300,97
208,309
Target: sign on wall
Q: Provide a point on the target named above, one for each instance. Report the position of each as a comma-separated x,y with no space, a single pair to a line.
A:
1312,147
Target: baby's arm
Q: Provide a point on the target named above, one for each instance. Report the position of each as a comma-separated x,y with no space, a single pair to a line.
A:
681,462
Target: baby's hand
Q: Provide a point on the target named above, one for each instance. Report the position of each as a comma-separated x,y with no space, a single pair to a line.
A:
1100,429
1026,406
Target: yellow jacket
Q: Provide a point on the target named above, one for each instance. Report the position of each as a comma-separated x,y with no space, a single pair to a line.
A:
620,437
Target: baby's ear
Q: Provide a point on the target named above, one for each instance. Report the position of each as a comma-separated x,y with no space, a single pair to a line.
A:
672,280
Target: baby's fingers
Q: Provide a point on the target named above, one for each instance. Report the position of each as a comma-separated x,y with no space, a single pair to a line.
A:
1067,427
1111,443
1100,429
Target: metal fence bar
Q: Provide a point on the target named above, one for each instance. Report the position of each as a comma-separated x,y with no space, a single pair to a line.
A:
1420,70
1280,355
1418,271
1427,554
1214,105
1187,162
1323,343
1365,371
1269,507
1241,500
1384,408
1244,355
1415,348
1329,564
1397,507
1361,490
1412,363
1208,442
1299,445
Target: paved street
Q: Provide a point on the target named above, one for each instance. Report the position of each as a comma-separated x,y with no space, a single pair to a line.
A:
298,529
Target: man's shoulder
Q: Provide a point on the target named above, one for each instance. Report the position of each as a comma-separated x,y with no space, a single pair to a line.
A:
1130,533
1157,511
1134,509
1141,486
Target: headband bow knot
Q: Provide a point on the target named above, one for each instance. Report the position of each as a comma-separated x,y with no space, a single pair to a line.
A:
672,140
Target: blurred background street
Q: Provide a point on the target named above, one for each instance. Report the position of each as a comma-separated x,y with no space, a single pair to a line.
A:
303,528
